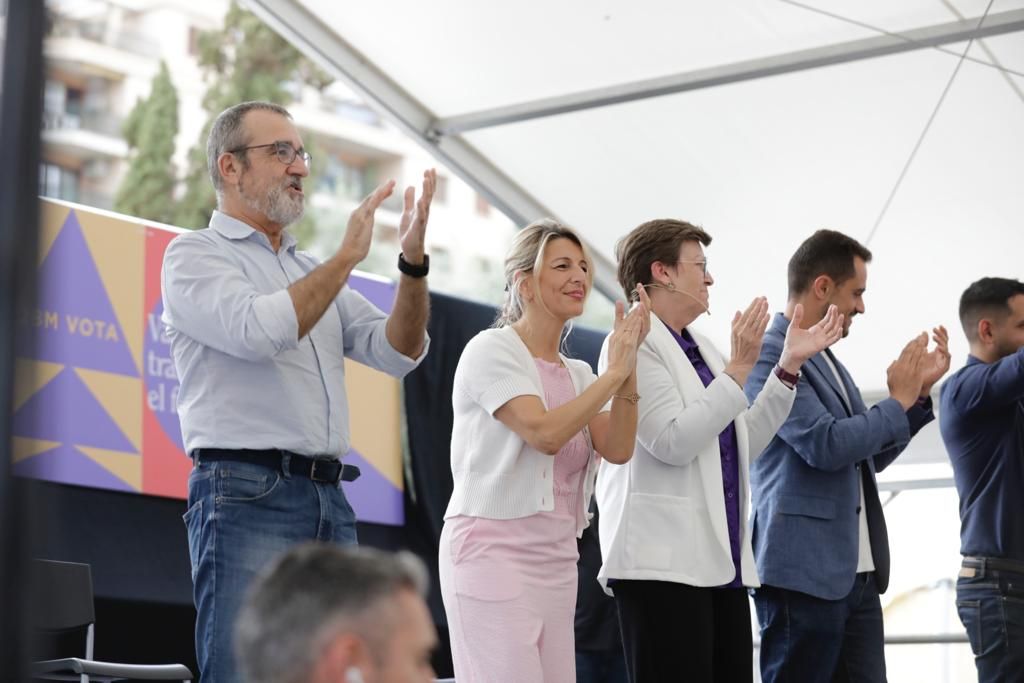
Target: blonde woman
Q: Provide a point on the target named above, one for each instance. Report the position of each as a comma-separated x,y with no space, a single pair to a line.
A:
529,423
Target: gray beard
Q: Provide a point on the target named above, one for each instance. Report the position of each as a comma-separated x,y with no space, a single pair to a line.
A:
276,205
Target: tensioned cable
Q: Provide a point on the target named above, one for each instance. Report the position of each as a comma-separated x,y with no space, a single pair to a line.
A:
991,55
924,133
992,63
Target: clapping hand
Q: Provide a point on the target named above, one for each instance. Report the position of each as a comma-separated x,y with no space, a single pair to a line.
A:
935,364
748,330
906,374
801,344
413,226
359,232
627,335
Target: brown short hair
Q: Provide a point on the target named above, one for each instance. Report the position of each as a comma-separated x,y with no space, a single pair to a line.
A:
826,252
651,242
988,297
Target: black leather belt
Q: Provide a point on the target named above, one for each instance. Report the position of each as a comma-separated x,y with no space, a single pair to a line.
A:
997,564
317,469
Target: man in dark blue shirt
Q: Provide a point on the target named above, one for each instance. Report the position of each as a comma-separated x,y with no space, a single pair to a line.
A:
982,422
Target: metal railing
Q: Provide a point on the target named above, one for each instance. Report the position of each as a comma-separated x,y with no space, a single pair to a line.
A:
104,123
100,32
925,639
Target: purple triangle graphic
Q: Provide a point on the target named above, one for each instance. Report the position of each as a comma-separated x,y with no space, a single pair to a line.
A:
373,497
76,324
66,411
67,465
380,294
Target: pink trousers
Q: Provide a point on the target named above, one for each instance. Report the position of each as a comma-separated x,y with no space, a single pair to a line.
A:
509,590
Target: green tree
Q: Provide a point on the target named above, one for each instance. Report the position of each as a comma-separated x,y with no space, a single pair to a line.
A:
243,61
147,190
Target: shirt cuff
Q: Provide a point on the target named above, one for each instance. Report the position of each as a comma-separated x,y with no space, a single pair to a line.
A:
276,314
394,362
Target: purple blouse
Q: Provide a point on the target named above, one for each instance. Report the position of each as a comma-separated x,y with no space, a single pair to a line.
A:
730,456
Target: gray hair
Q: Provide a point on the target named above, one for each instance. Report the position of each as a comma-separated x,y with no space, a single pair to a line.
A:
311,594
228,133
525,256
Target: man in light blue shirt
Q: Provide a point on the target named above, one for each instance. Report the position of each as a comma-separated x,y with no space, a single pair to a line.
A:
259,333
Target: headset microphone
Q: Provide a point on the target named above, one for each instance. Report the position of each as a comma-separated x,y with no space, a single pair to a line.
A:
672,288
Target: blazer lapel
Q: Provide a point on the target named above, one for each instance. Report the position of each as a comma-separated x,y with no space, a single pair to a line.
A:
711,473
709,461
851,388
667,348
821,365
717,365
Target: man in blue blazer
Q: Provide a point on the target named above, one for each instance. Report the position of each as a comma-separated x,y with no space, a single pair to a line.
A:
818,532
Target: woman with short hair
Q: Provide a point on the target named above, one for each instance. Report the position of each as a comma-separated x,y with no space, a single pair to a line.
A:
675,543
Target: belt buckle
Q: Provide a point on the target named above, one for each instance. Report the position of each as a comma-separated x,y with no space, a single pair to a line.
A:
313,473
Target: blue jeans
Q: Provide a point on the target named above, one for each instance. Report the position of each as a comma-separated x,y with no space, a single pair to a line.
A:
806,639
991,607
240,516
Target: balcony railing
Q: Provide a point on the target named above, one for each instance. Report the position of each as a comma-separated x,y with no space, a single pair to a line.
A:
103,123
99,32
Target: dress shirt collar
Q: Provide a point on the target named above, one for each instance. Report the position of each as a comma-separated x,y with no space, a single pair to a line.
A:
683,338
235,229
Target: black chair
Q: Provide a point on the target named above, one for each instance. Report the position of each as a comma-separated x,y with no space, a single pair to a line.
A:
62,602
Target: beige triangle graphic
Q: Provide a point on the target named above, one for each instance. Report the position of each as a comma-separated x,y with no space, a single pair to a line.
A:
51,220
124,466
26,448
30,376
375,419
121,397
118,247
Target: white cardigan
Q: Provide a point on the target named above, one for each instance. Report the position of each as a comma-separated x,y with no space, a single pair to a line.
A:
496,474
663,513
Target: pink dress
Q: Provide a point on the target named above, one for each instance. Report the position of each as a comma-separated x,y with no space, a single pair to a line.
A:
509,585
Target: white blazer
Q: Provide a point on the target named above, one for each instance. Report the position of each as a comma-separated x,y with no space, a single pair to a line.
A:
663,513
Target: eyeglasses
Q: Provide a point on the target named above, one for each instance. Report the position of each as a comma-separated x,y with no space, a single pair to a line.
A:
703,264
286,154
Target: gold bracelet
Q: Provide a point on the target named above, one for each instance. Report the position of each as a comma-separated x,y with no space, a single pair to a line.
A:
633,398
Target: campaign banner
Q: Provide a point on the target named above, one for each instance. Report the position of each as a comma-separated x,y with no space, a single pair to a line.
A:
96,388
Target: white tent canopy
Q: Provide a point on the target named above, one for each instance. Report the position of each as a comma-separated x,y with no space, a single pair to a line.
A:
761,120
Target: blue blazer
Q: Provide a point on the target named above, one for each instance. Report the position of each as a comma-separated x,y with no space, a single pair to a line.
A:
805,486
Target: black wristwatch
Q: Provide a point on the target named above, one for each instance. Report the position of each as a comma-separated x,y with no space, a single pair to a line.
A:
413,270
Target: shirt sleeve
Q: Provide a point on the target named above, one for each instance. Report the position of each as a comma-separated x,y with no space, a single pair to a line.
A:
821,439
208,298
989,386
489,374
364,330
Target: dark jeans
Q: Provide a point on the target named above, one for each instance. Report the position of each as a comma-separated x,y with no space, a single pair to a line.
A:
240,517
805,639
674,632
991,607
607,666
